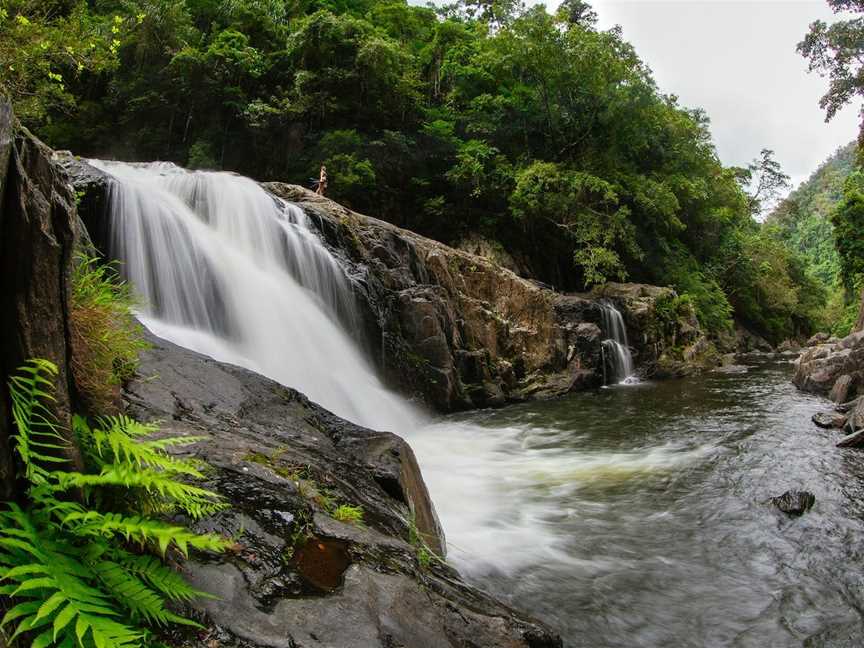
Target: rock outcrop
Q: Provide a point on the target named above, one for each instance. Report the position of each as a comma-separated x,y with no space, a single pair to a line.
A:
459,331
38,225
835,368
299,576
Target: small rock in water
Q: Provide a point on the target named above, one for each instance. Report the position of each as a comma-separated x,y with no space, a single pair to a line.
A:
794,502
829,420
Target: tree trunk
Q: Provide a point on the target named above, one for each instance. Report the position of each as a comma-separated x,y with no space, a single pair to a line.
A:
38,227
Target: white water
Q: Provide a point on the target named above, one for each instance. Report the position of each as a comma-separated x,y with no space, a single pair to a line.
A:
226,269
616,349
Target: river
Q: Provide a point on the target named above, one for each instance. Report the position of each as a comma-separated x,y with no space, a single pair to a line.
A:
638,515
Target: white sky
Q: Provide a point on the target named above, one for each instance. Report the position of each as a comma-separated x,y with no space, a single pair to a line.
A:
737,60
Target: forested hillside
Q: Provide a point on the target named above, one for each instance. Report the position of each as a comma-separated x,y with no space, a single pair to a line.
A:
803,220
537,131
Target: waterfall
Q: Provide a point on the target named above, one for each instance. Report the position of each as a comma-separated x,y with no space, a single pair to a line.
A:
224,268
615,348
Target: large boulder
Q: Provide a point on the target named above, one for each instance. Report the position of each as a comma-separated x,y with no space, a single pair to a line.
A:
835,368
38,228
299,576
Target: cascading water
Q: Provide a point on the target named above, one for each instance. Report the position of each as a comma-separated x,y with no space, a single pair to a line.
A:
615,348
228,270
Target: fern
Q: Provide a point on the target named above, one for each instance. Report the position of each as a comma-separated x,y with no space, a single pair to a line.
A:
69,567
38,436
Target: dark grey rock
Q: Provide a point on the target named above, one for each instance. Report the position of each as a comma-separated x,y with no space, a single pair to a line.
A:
38,228
794,502
298,576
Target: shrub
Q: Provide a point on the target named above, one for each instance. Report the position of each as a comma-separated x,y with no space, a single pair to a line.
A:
80,560
106,338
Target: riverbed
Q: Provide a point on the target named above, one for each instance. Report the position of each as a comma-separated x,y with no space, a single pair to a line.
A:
639,516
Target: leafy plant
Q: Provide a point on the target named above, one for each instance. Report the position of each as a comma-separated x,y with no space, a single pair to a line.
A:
77,560
106,338
348,513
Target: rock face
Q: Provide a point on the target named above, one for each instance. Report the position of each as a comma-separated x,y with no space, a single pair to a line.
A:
38,225
460,331
299,576
835,368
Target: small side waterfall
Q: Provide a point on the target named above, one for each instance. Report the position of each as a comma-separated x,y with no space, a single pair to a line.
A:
615,348
228,270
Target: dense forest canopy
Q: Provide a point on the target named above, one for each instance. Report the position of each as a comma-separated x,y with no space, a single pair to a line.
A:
485,117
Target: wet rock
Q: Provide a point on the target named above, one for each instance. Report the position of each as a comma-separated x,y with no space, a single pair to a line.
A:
794,502
299,576
829,420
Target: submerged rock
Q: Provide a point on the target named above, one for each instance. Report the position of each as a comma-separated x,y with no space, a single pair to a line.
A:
794,502
302,575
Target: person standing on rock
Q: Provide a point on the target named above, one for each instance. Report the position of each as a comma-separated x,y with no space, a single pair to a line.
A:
322,181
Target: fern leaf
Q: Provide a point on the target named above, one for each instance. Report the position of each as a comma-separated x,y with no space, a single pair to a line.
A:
158,575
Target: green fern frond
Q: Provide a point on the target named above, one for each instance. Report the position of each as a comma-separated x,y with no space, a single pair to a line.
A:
55,588
122,440
31,390
158,575
194,500
143,603
65,563
144,531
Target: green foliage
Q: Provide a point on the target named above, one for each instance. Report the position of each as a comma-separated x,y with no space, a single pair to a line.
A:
106,338
803,220
69,567
47,46
848,221
489,118
837,50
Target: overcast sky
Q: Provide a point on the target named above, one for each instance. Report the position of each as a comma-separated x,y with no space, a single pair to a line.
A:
737,60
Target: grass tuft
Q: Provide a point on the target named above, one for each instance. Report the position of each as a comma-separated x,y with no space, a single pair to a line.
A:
106,338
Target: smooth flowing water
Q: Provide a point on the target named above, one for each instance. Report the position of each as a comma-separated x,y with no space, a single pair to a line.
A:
617,357
630,516
228,270
639,516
